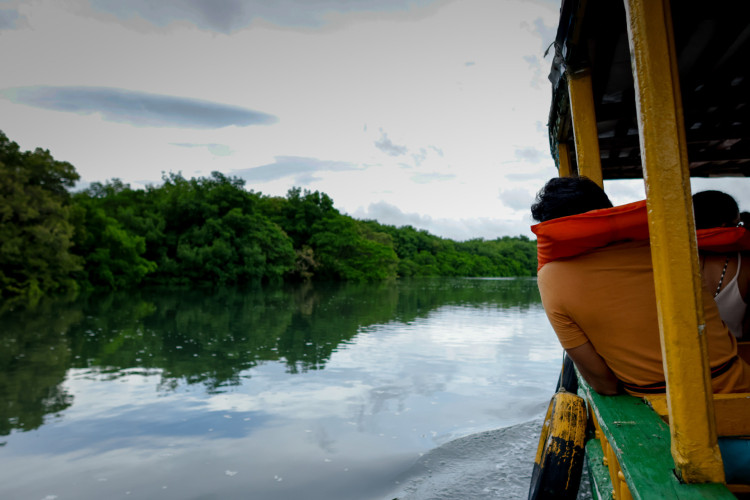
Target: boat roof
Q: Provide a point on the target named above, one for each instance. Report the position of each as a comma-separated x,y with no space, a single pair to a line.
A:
712,41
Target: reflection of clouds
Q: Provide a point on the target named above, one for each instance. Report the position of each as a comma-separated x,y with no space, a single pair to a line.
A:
389,374
396,389
548,353
323,439
194,467
293,398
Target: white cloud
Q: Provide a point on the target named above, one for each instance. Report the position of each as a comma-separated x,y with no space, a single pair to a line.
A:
399,67
227,16
516,198
455,229
285,166
388,147
214,149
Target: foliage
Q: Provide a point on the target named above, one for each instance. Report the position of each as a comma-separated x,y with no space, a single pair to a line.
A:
208,230
423,254
113,255
35,229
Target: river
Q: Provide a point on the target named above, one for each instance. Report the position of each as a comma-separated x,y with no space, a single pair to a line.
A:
416,390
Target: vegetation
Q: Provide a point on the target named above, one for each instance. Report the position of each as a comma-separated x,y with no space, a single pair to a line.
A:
206,231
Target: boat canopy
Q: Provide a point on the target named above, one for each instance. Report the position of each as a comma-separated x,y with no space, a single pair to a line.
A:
712,43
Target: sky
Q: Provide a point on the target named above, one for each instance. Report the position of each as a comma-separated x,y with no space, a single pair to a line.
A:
429,113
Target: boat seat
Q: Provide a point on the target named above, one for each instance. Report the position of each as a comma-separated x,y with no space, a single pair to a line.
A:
732,412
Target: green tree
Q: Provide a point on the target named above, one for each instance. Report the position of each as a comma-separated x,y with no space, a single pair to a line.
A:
113,255
347,250
35,230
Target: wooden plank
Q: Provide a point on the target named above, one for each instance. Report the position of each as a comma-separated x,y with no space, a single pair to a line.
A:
732,412
641,443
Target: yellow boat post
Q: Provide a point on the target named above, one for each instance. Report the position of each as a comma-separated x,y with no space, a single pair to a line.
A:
673,243
584,127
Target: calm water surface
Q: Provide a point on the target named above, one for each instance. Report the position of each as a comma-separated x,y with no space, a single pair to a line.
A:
416,390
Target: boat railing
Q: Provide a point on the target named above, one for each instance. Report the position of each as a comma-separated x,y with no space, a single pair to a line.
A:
629,451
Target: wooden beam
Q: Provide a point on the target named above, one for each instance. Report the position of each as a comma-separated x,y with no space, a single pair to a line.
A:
563,160
584,127
674,252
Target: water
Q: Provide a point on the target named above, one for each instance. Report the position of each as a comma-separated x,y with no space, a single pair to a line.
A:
414,390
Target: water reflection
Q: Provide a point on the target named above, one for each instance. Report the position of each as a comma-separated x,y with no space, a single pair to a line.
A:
317,392
208,338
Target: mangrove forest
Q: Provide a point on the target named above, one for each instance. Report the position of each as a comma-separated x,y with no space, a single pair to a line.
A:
206,231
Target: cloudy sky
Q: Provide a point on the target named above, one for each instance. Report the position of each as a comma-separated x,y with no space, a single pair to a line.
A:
423,112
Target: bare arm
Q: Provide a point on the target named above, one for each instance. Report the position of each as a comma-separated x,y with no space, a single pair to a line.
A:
593,369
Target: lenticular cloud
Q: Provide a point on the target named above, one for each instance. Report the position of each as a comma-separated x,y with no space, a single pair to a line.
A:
139,108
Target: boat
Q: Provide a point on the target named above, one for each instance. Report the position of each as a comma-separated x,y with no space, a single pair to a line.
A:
653,90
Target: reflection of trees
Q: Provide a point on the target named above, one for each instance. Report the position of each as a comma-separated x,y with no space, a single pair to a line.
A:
210,338
34,356
416,298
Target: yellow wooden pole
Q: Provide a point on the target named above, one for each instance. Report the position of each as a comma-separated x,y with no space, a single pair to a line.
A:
585,133
563,160
673,243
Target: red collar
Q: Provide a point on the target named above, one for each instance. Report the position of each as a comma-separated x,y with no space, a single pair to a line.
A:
581,233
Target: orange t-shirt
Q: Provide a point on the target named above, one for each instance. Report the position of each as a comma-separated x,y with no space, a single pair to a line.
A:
606,296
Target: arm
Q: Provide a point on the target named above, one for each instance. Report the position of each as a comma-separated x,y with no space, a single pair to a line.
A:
590,364
593,369
744,285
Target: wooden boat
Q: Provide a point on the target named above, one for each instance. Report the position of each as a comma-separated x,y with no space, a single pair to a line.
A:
645,89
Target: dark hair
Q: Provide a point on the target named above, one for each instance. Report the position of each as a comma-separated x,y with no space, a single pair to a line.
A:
714,209
563,196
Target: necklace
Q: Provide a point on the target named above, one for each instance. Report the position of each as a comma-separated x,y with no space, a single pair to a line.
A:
721,280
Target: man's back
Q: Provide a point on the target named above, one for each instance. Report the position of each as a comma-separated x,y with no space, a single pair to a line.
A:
607,297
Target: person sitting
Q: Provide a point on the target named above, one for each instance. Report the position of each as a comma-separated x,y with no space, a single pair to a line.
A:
724,273
602,302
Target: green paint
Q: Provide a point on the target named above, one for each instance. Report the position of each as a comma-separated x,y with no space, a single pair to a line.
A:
601,484
641,442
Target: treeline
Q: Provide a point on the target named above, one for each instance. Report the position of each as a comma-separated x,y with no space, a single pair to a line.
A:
208,230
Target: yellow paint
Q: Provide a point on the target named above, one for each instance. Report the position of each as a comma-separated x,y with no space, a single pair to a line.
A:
620,488
673,243
568,425
585,133
544,434
731,412
624,490
563,437
563,160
